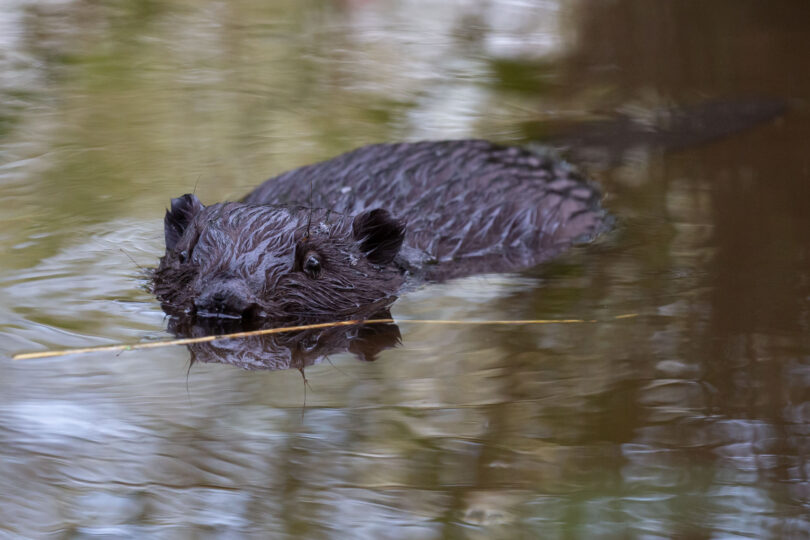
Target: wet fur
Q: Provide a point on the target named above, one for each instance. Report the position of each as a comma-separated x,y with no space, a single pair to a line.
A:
429,210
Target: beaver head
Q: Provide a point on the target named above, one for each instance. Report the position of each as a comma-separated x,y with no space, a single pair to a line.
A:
249,261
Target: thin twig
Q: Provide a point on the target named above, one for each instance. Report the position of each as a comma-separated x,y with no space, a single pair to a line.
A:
268,331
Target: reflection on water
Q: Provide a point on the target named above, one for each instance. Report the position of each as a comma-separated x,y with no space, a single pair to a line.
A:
691,420
290,350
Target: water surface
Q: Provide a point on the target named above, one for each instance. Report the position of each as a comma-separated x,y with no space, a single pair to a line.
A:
691,420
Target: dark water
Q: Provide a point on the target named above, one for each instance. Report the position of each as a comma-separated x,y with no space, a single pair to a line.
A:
691,420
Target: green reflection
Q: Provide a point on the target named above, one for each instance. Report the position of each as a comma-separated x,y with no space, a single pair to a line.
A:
689,420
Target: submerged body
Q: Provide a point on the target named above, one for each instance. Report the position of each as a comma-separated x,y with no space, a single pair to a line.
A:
339,238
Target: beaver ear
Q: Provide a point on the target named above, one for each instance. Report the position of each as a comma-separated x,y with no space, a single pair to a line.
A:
177,219
380,235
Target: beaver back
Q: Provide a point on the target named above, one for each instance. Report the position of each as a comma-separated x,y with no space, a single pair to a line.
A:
470,206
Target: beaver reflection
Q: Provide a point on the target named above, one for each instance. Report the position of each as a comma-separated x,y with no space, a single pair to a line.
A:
295,350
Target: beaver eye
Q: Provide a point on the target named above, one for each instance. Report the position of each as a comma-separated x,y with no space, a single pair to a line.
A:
182,256
312,265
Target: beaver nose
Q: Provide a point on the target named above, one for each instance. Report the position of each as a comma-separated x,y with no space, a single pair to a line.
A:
229,299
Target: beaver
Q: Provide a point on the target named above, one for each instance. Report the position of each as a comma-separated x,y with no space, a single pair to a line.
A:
341,238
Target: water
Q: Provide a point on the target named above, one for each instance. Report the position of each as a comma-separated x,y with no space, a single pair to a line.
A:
691,420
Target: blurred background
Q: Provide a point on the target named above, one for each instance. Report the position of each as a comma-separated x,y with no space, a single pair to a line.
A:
690,421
